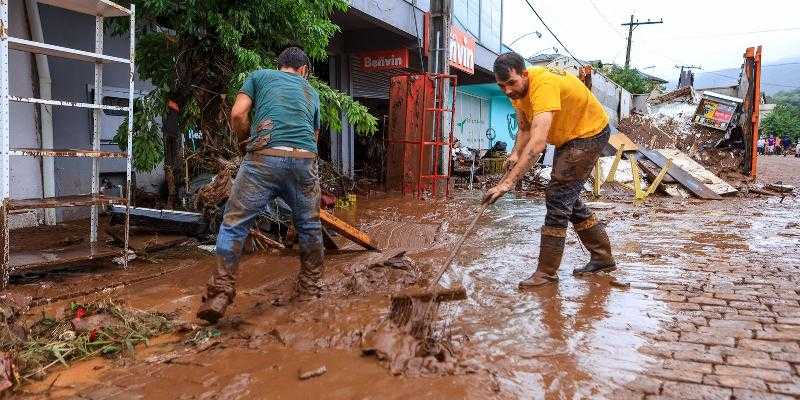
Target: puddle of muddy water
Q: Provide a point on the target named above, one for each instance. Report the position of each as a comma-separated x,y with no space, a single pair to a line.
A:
575,339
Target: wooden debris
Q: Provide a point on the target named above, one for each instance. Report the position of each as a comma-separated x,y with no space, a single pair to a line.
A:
779,187
346,230
618,139
698,188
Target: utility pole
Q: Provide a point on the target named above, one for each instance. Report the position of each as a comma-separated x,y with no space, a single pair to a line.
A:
631,26
441,12
688,67
686,77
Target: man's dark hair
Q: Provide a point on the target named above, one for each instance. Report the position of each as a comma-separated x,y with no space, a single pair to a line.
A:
293,57
507,62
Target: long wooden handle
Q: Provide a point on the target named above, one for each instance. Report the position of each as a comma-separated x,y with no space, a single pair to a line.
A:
455,251
461,241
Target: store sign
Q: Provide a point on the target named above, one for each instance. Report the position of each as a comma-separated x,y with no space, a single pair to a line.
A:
462,50
384,60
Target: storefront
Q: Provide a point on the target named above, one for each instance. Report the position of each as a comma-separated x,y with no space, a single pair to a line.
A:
376,43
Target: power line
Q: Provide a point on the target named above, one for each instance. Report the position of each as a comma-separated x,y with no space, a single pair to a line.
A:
554,35
781,64
762,82
608,22
711,35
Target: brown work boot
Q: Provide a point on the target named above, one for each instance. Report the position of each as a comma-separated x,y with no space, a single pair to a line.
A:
311,269
220,292
593,236
551,249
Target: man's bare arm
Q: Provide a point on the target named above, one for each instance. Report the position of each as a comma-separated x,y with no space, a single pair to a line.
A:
534,146
523,136
523,133
240,117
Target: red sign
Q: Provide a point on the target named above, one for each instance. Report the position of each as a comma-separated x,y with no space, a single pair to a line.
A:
384,60
462,50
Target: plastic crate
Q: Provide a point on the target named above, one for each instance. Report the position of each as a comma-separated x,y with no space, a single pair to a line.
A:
493,166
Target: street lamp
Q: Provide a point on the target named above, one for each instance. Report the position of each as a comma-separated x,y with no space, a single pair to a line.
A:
537,33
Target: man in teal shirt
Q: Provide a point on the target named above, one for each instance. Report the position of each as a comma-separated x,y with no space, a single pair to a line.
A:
281,161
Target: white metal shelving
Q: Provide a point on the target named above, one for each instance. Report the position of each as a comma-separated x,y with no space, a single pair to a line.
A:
100,9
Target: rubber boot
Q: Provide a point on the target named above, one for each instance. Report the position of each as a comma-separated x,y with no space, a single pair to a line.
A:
220,292
594,238
551,249
308,280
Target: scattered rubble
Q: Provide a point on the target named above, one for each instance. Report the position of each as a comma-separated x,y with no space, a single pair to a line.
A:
304,375
104,328
403,354
668,125
391,271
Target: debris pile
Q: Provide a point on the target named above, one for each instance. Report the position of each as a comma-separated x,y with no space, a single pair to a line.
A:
391,272
669,125
404,354
104,328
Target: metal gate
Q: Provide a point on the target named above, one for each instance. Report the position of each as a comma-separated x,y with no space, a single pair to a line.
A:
374,85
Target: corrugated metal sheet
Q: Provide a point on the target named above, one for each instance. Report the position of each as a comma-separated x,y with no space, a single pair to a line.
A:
370,84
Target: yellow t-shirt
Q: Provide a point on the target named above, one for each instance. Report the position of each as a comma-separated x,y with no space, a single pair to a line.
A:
577,114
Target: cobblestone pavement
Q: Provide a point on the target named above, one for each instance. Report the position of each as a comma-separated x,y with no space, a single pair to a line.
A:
732,290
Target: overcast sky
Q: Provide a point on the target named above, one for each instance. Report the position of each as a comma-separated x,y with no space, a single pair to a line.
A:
713,34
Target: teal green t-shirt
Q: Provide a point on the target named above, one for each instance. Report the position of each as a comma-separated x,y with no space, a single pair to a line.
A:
285,107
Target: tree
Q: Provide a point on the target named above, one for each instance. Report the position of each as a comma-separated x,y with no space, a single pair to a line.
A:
784,120
629,78
197,53
790,97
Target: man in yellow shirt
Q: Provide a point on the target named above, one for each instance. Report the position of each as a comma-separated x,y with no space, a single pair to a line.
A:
557,108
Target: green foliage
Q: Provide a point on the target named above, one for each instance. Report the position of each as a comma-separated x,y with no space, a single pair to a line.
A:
628,78
784,120
334,103
148,145
198,53
791,97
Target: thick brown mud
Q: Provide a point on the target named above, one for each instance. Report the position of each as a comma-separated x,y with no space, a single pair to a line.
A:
581,338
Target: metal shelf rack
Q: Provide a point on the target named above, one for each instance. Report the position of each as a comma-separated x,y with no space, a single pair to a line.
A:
100,9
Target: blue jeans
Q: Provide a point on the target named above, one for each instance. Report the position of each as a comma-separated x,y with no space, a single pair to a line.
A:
259,181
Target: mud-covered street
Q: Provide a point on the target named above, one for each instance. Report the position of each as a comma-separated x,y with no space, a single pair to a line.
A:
704,305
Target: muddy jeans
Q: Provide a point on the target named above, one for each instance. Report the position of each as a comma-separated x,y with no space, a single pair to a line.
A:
572,166
259,181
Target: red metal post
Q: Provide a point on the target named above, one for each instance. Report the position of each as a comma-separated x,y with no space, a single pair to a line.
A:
756,120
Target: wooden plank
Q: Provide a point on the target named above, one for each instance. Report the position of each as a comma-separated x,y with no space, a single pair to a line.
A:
620,138
346,230
684,178
713,182
42,260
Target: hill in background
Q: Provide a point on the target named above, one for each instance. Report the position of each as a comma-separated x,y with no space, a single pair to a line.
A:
781,75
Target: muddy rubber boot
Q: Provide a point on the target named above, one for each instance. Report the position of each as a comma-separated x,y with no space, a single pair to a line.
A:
593,236
551,249
220,292
308,280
